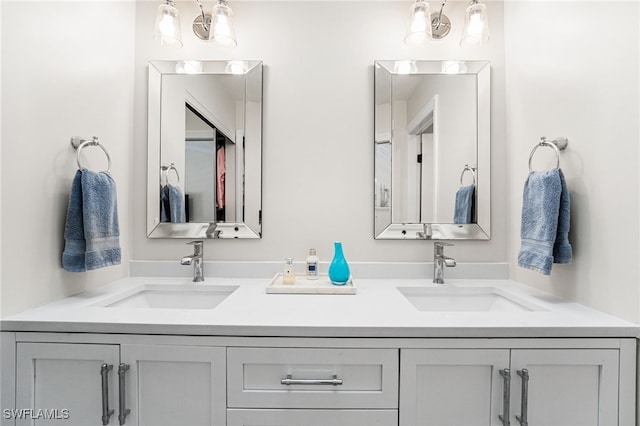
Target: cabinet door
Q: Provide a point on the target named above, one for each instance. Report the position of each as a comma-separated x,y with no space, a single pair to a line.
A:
175,385
290,417
566,387
61,383
452,386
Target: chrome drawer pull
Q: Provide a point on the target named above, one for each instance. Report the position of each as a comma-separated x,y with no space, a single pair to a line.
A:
106,413
506,397
288,381
124,412
524,401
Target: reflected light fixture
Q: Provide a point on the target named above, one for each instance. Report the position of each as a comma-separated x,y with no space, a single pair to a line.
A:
216,26
167,27
236,67
188,67
436,26
405,67
476,25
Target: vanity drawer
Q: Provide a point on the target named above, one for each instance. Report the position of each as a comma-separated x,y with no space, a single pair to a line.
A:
312,378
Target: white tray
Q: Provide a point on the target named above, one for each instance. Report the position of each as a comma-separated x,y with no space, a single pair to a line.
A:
304,286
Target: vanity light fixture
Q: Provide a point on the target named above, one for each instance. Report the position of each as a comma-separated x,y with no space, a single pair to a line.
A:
419,26
476,25
222,26
423,25
167,28
216,26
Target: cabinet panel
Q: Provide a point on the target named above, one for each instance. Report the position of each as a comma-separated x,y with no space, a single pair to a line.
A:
451,386
365,378
175,385
284,417
62,383
567,387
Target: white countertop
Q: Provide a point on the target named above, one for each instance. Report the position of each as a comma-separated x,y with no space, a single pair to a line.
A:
377,310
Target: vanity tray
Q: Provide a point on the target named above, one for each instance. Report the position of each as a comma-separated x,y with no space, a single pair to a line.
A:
304,286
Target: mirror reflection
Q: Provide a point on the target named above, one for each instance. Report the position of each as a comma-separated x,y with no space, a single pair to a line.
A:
431,150
205,146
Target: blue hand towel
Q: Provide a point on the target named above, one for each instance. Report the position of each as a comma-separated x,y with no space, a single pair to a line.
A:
165,211
74,244
464,207
91,229
562,251
545,221
176,203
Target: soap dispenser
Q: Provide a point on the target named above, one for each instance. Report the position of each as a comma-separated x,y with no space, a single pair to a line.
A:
288,275
311,270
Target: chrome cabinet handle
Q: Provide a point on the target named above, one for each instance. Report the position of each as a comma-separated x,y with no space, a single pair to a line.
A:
124,412
288,381
506,397
524,401
106,413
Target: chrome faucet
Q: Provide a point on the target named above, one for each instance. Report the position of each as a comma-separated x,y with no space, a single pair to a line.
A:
440,261
196,260
426,233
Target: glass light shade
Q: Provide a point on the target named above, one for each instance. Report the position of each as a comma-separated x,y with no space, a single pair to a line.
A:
167,28
222,30
476,26
419,26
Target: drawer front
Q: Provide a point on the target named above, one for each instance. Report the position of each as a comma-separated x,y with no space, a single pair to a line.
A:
312,378
289,417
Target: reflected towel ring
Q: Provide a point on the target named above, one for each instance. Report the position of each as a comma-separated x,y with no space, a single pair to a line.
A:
79,143
557,144
468,168
172,166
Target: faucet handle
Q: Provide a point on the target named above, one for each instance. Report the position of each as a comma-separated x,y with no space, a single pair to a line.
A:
442,244
197,246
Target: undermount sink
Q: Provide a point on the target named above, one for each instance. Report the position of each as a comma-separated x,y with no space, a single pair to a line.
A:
466,299
185,296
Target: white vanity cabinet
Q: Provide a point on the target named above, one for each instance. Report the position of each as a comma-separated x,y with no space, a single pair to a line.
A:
312,386
287,381
174,385
109,384
65,381
510,386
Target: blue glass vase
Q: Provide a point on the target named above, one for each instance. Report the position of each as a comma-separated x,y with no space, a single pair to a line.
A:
339,272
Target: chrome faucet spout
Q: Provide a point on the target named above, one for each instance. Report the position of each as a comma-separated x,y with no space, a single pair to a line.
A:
196,260
440,261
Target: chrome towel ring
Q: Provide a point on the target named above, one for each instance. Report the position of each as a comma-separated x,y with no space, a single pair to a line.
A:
468,168
79,143
557,144
165,170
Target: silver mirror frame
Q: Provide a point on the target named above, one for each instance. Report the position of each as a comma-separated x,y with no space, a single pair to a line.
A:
220,230
481,230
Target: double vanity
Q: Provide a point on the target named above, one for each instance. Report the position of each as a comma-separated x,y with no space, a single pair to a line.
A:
167,351
151,351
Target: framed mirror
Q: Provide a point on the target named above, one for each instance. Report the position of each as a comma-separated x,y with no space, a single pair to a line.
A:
432,150
204,168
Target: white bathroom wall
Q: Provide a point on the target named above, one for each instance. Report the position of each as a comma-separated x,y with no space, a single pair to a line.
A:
67,69
318,125
567,75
